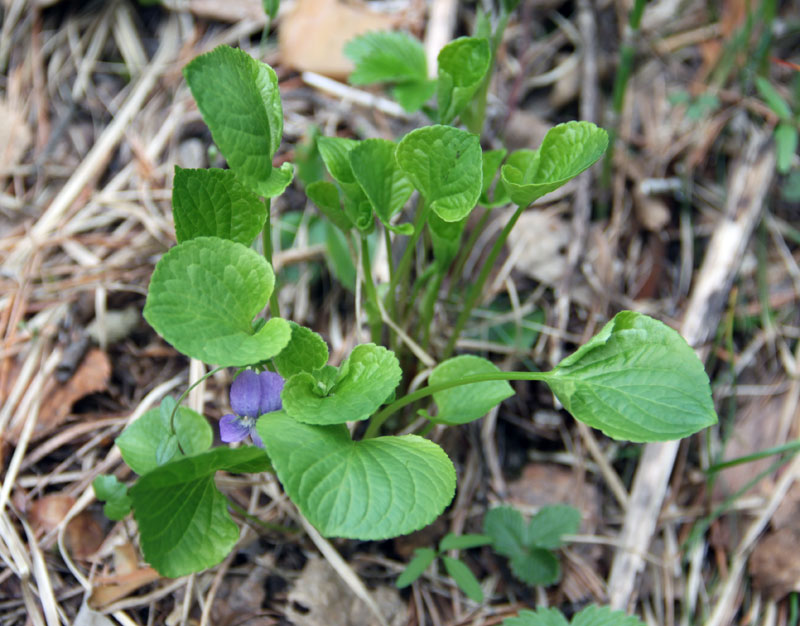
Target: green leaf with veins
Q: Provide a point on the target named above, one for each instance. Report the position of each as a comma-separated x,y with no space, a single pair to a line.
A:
183,519
365,380
139,443
445,165
213,203
371,489
463,63
550,523
592,615
567,150
335,152
306,352
636,380
239,100
386,57
465,403
386,186
203,297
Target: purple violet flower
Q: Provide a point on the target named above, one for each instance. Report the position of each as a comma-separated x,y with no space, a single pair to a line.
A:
252,395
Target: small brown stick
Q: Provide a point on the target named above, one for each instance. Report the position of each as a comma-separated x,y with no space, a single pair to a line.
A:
748,185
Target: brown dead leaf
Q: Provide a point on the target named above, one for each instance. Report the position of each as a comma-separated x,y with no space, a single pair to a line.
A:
128,577
774,566
330,602
91,377
83,534
542,484
312,36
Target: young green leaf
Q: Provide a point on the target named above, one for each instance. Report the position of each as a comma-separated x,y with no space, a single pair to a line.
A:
541,617
465,403
183,519
546,527
491,163
567,150
213,203
636,380
773,98
375,168
464,578
271,8
463,542
139,443
337,254
386,57
785,146
423,557
445,165
594,615
506,528
203,297
413,95
326,196
536,566
306,352
335,153
463,63
239,100
115,495
371,489
366,379
279,179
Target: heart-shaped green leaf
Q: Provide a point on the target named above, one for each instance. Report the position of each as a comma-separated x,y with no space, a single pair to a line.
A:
139,442
306,352
371,489
239,100
637,380
213,203
366,379
567,150
202,299
183,519
465,403
463,63
445,165
115,495
386,186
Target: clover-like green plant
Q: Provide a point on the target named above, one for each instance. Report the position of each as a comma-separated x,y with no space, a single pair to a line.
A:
213,298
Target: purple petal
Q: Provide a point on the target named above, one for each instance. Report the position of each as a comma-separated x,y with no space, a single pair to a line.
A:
271,387
256,438
231,429
246,394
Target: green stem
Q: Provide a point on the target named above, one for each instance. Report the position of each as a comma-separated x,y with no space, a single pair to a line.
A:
186,393
466,250
792,446
266,241
404,267
265,525
373,310
428,304
477,287
379,418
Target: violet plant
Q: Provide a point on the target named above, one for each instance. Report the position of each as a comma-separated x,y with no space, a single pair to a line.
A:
212,297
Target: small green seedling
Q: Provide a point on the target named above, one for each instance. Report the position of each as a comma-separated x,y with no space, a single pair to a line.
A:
213,298
530,548
592,615
457,570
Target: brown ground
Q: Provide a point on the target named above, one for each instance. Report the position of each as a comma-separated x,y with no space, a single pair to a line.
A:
695,227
